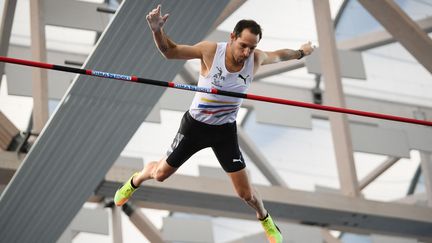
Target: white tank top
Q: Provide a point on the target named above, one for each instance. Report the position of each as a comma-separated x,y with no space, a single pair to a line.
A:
217,109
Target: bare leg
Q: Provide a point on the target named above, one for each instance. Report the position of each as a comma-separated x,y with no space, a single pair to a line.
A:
246,192
158,170
251,197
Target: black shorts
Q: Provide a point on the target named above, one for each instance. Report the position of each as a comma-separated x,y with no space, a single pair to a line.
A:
194,135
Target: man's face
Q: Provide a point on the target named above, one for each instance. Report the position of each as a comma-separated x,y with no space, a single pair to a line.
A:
243,46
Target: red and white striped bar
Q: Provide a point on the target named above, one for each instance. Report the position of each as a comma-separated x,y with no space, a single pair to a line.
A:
212,91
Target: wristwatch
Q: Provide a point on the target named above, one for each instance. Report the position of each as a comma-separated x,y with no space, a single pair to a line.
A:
301,54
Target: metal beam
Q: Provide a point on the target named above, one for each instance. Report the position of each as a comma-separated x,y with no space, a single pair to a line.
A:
378,38
7,131
6,29
414,181
426,168
66,236
403,28
369,178
419,199
116,225
143,224
39,76
341,135
215,197
9,163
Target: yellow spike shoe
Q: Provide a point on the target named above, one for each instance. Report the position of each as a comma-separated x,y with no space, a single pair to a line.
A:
125,192
272,231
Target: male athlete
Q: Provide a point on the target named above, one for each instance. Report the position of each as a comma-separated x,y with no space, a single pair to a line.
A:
211,119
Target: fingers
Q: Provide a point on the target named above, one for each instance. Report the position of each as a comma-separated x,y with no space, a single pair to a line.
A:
154,13
308,48
158,9
312,46
155,20
309,43
165,17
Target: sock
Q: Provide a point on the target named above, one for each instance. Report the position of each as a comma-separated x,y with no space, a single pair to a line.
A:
264,217
131,182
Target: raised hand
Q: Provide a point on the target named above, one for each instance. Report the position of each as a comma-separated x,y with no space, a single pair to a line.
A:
155,19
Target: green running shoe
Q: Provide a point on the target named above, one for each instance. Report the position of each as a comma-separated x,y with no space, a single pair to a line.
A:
125,192
272,231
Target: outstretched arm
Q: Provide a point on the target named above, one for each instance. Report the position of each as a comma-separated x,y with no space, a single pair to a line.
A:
265,57
166,46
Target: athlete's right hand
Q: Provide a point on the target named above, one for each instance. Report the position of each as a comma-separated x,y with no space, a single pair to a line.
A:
155,19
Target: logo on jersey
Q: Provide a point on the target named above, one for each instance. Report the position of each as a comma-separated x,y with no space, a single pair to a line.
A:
243,79
218,78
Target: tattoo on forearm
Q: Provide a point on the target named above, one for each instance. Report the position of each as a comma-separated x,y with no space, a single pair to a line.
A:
166,44
163,47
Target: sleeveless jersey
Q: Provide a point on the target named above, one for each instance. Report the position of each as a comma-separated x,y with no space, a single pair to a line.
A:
216,109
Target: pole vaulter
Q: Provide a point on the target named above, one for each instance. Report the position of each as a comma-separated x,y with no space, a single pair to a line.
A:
194,88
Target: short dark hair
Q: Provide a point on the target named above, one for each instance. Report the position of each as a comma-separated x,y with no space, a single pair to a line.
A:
253,27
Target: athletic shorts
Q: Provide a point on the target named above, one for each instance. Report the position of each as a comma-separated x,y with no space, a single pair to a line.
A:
194,135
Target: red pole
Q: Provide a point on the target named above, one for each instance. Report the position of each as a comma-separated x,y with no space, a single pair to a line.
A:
212,91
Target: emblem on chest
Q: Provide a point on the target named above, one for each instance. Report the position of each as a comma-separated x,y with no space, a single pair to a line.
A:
217,78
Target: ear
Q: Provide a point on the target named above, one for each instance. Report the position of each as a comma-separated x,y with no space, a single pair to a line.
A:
232,37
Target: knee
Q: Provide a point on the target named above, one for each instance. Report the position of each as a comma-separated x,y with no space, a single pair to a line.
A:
150,167
245,195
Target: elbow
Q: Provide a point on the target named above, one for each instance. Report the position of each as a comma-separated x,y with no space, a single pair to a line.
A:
167,55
